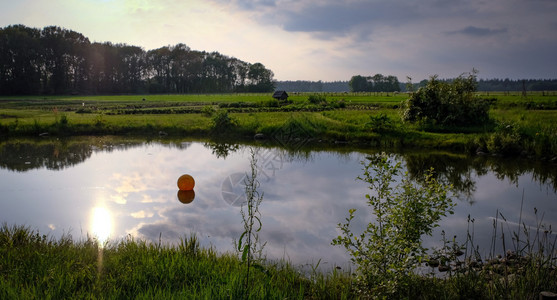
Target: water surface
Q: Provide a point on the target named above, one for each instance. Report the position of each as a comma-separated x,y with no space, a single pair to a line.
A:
117,188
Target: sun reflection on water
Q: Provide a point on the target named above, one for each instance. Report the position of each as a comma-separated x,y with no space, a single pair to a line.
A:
101,224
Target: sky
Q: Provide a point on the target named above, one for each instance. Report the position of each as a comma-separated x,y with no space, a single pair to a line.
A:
325,40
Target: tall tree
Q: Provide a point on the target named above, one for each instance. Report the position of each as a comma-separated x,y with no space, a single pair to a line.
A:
55,60
21,60
358,83
260,78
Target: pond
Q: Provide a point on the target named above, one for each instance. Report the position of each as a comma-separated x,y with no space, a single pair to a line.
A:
113,188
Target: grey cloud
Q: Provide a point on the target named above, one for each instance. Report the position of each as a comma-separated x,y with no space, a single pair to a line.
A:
478,31
337,17
340,18
324,16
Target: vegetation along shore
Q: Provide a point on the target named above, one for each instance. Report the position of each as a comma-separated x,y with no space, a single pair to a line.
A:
510,123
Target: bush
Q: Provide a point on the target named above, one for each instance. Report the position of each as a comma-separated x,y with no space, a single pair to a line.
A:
380,123
222,121
388,251
337,103
448,103
506,139
317,99
208,110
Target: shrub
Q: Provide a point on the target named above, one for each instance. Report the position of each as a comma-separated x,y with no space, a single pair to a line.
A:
337,103
388,251
447,103
317,99
208,110
505,140
222,121
380,123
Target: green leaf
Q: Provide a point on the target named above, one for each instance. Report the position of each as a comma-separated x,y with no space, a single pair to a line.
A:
240,241
245,253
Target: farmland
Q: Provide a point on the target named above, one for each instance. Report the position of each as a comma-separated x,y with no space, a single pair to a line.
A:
521,124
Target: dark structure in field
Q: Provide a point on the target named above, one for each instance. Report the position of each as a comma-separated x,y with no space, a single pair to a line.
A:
280,95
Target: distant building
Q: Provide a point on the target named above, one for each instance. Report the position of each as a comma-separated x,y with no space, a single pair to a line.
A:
280,95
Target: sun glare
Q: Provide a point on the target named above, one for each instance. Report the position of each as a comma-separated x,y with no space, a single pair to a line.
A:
101,224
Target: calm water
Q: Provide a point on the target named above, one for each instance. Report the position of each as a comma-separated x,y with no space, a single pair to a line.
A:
110,187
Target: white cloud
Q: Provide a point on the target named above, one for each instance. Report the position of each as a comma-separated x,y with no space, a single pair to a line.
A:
142,214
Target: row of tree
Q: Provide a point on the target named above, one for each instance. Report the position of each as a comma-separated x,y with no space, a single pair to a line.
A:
375,83
508,85
55,60
499,85
313,86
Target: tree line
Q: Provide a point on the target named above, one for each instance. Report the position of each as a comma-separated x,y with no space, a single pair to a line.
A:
55,60
375,83
313,86
510,85
498,85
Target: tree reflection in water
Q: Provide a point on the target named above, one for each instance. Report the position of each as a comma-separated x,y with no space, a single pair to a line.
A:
459,170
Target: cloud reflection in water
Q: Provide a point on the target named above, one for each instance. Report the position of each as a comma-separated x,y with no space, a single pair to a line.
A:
305,197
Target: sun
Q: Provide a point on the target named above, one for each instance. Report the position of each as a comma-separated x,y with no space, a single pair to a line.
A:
101,224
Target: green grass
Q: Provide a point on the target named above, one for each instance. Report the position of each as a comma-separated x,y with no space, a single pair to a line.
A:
186,115
37,266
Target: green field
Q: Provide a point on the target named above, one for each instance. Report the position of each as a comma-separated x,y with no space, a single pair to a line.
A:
37,266
520,125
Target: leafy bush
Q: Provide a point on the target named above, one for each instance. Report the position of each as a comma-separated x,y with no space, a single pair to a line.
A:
505,140
208,110
337,103
317,99
222,121
387,252
380,123
447,103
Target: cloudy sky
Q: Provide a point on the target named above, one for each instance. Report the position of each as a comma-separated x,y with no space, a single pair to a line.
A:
325,39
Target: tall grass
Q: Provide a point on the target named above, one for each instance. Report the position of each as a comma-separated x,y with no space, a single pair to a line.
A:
520,264
36,266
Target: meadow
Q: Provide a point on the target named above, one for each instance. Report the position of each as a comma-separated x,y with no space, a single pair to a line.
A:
520,125
33,265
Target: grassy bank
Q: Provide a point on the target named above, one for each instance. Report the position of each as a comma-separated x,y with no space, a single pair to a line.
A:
520,125
37,266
